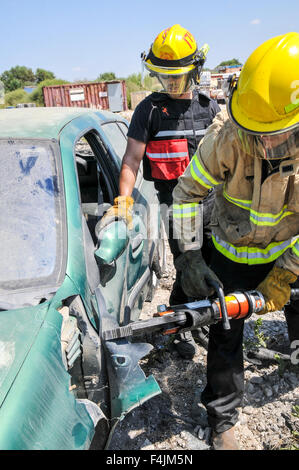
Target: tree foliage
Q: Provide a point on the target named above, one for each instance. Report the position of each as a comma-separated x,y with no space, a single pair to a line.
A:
135,78
20,76
12,98
230,62
134,83
106,77
42,75
17,77
37,95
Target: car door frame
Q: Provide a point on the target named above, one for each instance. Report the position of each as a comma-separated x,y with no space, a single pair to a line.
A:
138,246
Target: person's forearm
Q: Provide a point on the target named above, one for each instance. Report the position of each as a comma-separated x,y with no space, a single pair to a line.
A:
130,165
126,181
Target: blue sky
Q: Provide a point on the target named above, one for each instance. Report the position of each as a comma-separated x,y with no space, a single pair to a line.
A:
81,39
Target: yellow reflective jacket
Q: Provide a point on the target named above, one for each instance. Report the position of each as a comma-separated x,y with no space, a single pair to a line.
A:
253,222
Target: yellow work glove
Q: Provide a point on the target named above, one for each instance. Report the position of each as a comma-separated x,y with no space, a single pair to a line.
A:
276,289
121,209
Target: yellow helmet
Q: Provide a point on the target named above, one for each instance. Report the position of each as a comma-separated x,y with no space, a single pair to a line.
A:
265,99
174,55
264,102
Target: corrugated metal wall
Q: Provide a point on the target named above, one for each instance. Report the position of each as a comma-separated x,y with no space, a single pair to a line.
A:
83,95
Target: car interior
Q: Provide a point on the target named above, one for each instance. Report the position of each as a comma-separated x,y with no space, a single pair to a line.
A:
96,192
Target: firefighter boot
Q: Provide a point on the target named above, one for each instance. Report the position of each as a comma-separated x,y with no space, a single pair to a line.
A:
225,440
185,345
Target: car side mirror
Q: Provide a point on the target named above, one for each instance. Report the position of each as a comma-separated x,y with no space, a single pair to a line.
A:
112,242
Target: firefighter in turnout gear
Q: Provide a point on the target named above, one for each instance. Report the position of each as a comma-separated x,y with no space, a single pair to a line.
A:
250,156
165,131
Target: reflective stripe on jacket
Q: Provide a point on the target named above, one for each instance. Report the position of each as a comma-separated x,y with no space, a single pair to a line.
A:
253,221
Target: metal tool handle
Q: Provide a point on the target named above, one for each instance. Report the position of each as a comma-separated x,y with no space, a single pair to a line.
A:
295,294
220,294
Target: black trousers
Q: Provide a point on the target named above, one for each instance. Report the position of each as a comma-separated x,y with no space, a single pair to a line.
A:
225,370
165,189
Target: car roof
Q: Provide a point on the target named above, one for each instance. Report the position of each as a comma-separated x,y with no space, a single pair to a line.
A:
43,122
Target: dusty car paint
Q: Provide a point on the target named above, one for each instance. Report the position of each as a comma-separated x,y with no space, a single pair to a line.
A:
38,411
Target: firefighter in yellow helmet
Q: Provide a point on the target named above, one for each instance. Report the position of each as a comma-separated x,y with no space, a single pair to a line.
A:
251,158
165,131
175,61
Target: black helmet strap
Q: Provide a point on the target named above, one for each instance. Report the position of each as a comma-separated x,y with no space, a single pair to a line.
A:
184,62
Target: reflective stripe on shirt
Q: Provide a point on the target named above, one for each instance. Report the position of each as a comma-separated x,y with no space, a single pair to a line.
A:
182,132
167,155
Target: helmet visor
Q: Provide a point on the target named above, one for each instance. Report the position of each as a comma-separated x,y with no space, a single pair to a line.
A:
166,81
276,146
175,84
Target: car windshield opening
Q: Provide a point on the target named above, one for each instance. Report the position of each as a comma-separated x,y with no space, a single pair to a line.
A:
32,215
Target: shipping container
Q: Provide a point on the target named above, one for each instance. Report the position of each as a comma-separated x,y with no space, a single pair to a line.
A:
101,95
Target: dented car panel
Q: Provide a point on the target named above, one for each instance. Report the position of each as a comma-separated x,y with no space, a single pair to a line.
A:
61,387
128,385
39,411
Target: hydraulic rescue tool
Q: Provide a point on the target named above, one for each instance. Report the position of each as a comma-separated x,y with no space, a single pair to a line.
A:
194,315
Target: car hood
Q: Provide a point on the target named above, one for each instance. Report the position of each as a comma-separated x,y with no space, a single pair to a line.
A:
18,330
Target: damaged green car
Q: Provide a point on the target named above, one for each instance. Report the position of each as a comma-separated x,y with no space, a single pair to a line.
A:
63,281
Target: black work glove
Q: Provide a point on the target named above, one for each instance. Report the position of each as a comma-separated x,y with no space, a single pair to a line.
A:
195,274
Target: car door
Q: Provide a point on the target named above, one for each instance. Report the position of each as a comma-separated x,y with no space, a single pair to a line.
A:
146,200
128,385
125,277
138,273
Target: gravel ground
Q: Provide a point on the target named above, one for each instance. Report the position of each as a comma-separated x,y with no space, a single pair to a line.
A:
175,419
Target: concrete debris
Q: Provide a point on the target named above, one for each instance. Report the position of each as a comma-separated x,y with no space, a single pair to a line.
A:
193,443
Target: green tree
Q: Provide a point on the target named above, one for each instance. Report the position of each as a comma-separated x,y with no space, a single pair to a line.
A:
37,95
106,77
17,77
133,83
42,75
13,84
135,78
12,98
230,62
131,87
